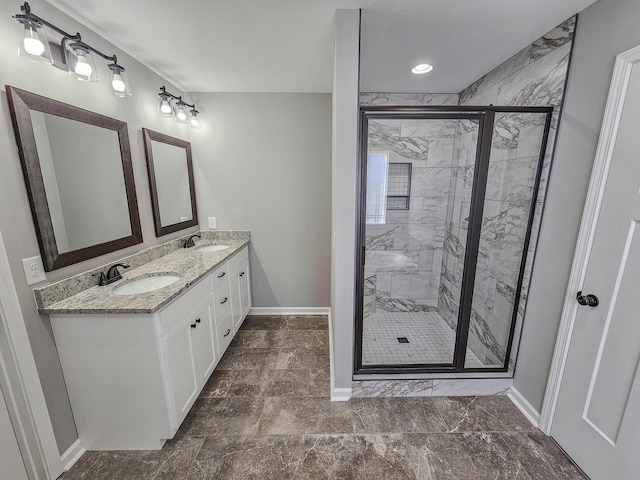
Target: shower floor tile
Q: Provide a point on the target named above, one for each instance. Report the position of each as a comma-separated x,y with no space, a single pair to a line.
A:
430,339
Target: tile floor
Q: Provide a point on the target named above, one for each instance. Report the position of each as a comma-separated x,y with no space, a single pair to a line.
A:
431,340
265,414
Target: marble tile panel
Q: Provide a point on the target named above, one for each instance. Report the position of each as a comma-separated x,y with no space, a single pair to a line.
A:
177,457
397,415
390,261
369,300
413,238
426,259
492,458
412,148
483,413
379,237
320,382
283,415
391,388
306,358
226,457
471,386
414,286
434,209
480,328
247,358
220,416
379,98
488,96
440,152
269,339
539,83
439,457
107,465
554,39
444,99
430,182
425,128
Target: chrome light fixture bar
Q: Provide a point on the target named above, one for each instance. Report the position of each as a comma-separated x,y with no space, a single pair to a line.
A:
72,53
178,109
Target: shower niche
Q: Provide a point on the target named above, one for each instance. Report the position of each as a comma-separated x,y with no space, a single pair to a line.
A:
449,204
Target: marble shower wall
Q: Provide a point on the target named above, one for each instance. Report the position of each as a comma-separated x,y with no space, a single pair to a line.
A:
533,77
404,256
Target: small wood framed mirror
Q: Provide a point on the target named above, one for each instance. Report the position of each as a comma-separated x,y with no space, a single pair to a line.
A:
173,193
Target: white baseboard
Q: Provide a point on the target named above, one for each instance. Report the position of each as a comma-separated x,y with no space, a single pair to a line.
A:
341,394
524,406
290,311
72,455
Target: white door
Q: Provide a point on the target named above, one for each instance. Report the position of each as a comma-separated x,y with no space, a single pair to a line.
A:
597,416
10,458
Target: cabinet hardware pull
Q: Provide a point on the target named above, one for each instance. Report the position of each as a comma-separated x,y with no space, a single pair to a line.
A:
197,320
194,325
224,301
242,274
222,274
228,332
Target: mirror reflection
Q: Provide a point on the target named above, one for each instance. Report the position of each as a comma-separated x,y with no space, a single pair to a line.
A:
84,189
171,182
79,178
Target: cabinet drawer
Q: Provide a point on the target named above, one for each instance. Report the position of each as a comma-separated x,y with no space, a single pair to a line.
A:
220,275
238,259
176,310
224,333
222,301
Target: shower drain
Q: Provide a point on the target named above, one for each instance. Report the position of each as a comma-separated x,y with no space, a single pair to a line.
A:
403,340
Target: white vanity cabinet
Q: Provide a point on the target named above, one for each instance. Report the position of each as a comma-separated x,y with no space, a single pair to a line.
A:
132,378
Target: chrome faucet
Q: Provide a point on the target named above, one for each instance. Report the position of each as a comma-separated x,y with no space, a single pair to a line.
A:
188,243
113,275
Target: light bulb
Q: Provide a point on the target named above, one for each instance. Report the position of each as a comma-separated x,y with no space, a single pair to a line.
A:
181,115
32,44
82,67
194,121
165,107
117,83
422,69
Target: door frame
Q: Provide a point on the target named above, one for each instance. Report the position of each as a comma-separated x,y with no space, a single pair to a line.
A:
21,385
604,154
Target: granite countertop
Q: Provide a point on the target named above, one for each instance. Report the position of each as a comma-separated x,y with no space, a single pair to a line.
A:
190,264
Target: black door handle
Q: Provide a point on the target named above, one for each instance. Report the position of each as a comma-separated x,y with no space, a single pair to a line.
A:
589,300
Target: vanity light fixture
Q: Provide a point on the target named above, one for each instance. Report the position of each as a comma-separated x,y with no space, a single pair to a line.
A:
70,54
422,68
180,110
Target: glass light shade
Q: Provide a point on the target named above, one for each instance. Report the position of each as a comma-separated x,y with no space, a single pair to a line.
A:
181,113
119,81
422,68
81,63
164,105
32,42
194,121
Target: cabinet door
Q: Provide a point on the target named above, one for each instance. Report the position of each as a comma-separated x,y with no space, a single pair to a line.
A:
237,312
181,370
201,328
244,286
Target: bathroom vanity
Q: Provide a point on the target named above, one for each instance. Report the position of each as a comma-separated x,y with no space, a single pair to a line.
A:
134,364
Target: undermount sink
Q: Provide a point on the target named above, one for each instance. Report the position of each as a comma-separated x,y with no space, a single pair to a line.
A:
212,248
146,284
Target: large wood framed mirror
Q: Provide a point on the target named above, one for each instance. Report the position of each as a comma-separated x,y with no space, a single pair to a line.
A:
79,178
173,194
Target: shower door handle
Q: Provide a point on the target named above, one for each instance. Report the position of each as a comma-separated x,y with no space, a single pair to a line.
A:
590,300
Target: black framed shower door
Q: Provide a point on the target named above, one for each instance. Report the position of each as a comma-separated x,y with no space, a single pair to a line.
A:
439,282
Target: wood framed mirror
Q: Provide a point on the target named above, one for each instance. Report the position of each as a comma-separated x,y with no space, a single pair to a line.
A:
173,193
79,178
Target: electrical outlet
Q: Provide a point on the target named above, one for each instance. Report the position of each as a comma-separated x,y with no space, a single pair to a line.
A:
212,223
33,270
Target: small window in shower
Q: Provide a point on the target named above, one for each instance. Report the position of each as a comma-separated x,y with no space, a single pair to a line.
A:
377,165
398,186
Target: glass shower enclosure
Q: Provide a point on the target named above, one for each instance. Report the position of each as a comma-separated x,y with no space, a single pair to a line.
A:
449,197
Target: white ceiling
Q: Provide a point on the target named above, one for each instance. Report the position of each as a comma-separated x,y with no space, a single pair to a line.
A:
287,45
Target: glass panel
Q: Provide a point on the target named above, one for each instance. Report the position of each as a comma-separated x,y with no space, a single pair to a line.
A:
515,151
415,256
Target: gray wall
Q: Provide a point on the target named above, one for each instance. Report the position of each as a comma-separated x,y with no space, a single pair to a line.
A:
264,164
16,224
605,29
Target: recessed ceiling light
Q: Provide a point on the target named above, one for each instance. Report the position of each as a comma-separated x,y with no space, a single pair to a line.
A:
422,68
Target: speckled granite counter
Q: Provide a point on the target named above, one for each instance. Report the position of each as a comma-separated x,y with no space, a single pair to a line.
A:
190,264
